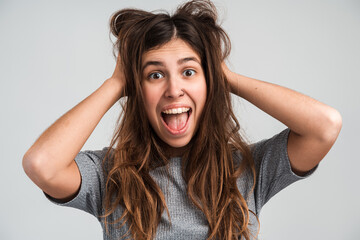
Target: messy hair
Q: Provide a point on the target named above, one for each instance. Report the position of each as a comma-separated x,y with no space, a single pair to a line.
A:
209,168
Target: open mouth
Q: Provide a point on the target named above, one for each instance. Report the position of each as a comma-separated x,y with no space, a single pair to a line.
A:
176,118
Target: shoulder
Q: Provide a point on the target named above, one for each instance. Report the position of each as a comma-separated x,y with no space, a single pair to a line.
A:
274,147
265,148
95,155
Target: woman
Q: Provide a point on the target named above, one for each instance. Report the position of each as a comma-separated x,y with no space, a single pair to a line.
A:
177,167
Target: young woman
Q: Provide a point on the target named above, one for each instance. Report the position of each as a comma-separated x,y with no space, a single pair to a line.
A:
177,167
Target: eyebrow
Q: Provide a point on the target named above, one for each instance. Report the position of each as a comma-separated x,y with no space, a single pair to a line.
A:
187,59
179,62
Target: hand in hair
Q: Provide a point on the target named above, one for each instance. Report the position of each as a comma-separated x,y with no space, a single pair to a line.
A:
118,76
229,76
314,125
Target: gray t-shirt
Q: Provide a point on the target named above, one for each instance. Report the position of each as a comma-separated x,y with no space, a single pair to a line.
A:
273,174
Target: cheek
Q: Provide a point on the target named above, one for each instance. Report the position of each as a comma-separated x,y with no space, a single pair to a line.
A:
199,90
151,98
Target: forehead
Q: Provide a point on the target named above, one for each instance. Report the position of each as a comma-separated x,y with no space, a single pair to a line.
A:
174,49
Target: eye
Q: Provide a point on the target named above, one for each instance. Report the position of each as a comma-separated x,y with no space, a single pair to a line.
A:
155,75
189,73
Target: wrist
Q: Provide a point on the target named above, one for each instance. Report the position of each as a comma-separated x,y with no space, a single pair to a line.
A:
237,83
116,85
232,80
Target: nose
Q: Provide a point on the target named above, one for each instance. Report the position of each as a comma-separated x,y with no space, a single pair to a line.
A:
174,88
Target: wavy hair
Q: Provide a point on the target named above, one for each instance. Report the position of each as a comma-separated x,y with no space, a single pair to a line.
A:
209,170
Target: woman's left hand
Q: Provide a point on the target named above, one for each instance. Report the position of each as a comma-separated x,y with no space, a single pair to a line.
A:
314,125
229,76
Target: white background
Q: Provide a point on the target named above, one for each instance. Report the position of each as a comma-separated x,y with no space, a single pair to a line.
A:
53,54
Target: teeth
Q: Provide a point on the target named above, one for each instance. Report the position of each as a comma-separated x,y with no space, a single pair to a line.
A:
176,110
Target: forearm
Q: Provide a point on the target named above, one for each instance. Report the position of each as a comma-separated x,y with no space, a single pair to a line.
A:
302,114
56,148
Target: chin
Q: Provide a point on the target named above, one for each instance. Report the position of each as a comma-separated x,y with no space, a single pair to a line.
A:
177,143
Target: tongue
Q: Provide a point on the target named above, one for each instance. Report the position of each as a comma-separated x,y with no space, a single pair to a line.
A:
176,121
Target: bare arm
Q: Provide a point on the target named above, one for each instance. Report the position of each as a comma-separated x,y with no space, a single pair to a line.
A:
314,125
50,160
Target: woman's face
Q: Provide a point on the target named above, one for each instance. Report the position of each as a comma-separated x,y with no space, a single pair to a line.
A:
174,88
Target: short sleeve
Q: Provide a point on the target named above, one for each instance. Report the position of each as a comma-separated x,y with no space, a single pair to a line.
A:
273,167
89,198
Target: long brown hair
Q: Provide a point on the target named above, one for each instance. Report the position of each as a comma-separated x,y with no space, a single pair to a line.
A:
209,169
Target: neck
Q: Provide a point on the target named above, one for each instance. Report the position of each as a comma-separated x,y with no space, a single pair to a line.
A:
172,152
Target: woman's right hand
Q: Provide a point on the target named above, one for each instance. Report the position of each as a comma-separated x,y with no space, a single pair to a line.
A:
118,77
50,161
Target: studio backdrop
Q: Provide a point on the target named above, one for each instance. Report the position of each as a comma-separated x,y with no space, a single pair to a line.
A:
53,54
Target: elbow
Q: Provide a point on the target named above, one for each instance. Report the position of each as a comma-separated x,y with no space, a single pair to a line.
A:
35,169
333,127
30,168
